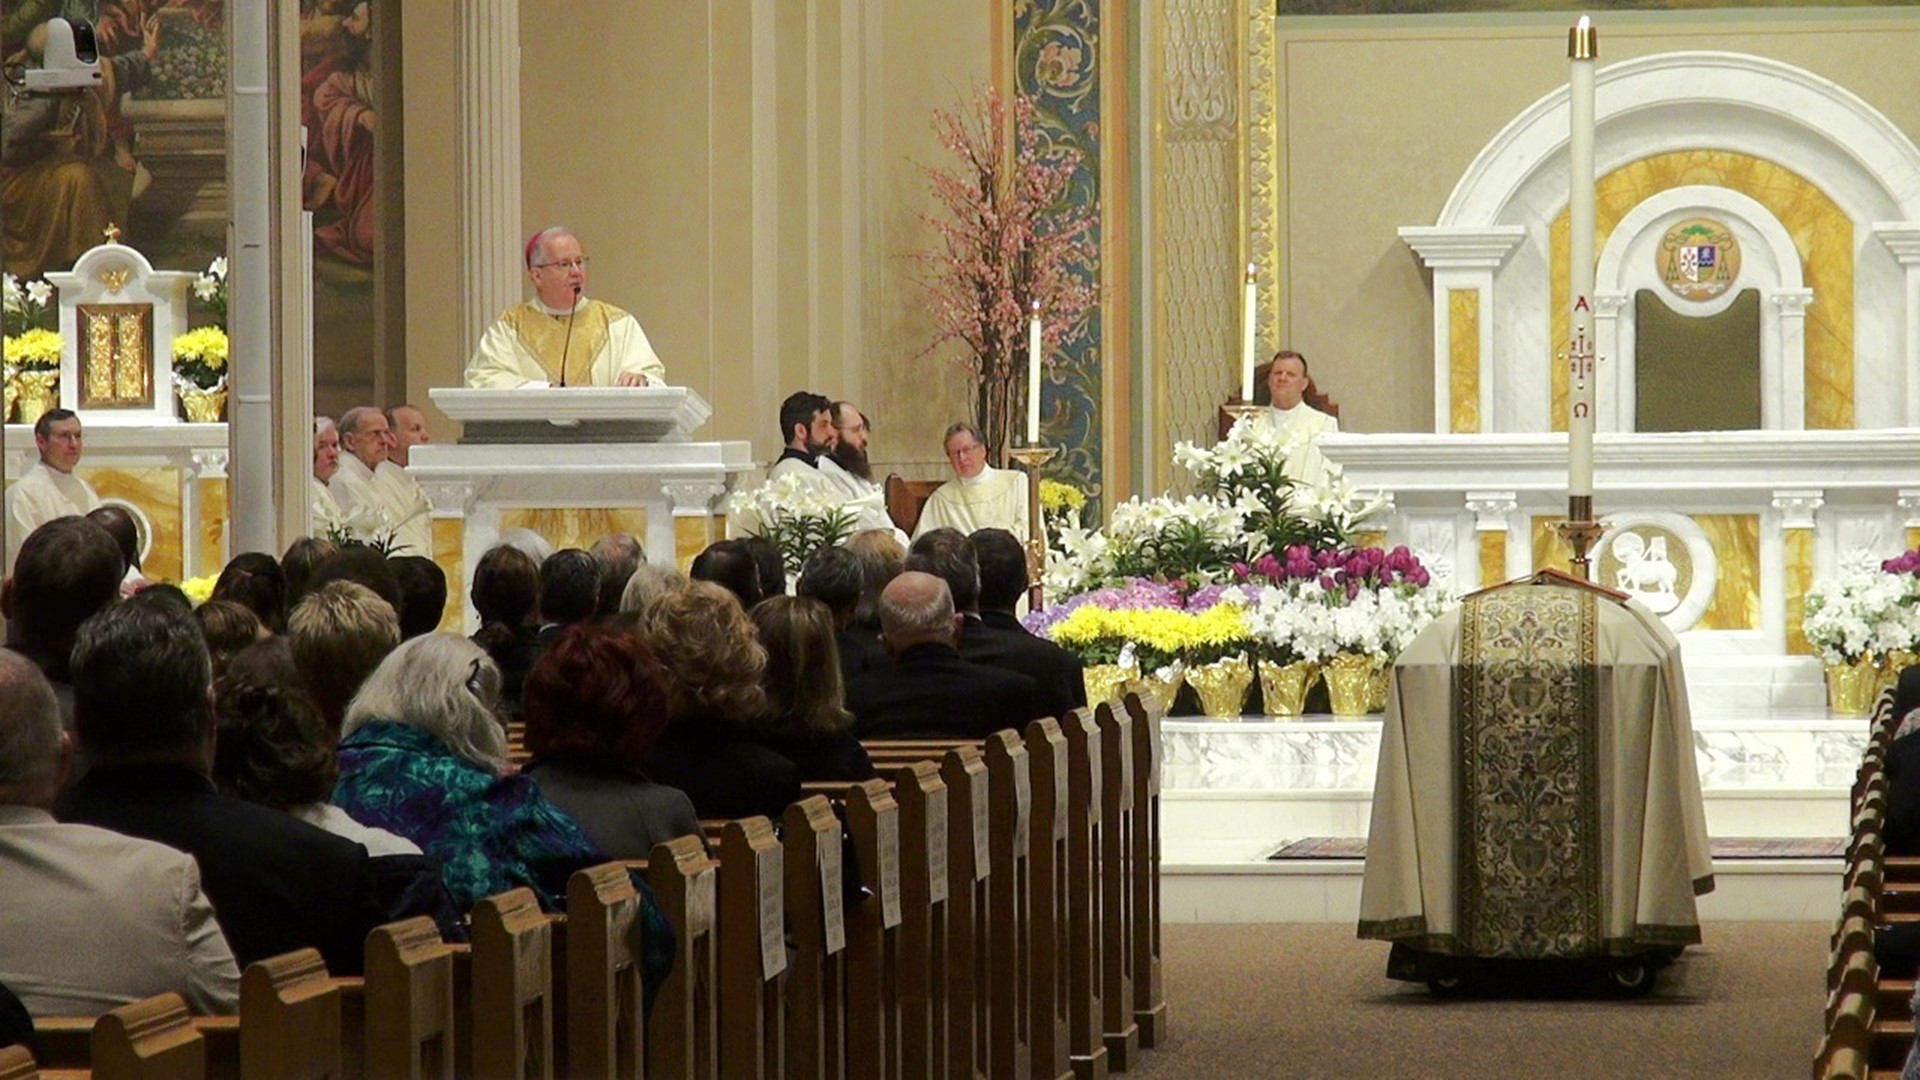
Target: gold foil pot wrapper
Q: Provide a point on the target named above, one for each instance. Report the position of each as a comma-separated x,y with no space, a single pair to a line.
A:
204,406
1851,688
1161,686
35,392
1222,686
1283,687
1349,683
1105,681
1380,685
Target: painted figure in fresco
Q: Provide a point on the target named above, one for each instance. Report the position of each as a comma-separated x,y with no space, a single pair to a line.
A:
338,108
67,169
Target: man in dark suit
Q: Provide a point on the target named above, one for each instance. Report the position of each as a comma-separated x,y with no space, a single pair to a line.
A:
834,577
1003,641
68,569
949,555
145,719
930,692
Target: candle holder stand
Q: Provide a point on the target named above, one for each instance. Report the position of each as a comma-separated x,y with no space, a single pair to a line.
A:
1581,532
1244,410
1032,458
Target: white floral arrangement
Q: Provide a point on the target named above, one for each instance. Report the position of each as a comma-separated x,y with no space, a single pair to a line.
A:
365,525
25,302
210,287
1862,611
798,514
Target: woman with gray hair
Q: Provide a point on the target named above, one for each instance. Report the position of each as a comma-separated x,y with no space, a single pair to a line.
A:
423,757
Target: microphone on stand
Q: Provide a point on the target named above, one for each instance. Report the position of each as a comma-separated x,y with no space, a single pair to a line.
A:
567,342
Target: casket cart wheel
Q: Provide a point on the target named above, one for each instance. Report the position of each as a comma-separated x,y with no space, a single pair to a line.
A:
1445,986
1632,978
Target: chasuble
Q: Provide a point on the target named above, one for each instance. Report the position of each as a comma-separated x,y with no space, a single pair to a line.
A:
1537,793
525,346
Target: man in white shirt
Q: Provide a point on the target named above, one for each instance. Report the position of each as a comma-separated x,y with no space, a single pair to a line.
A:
326,462
368,479
1291,415
845,462
50,489
980,496
807,421
95,920
561,338
409,427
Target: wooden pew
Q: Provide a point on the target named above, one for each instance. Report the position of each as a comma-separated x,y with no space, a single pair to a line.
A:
752,952
1116,883
605,996
1047,905
1149,993
1009,921
410,1027
510,1027
924,890
1084,896
816,1014
873,935
292,1025
152,1039
16,1063
969,867
683,1033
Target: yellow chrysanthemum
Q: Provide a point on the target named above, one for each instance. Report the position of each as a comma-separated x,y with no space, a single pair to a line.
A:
1056,497
207,345
198,589
35,350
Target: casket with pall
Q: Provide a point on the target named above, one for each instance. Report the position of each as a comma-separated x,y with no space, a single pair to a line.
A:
1537,796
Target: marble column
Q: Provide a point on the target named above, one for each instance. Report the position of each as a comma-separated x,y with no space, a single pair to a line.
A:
492,271
1615,410
1463,262
692,502
1903,240
1789,413
1797,514
1493,530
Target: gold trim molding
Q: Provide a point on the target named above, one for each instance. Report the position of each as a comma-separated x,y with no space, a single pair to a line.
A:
1463,359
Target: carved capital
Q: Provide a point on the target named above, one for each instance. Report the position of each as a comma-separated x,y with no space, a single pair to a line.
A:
209,464
1608,305
1492,509
1909,500
1798,507
1902,238
692,497
448,497
1791,303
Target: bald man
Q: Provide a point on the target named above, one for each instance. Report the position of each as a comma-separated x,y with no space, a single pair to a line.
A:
929,692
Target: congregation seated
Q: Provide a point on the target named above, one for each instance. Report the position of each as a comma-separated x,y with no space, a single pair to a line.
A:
362,565
835,577
255,580
142,707
620,554
770,564
120,525
882,557
595,704
228,626
950,556
1903,767
569,591
713,662
930,692
806,717
731,565
422,756
506,596
648,583
137,905
340,633
1002,639
299,562
423,593
67,570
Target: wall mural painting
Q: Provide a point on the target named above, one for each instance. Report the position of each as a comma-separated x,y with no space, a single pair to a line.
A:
1056,61
341,114
1578,7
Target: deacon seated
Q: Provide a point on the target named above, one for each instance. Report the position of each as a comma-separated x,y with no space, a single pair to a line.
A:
981,496
952,558
561,338
369,483
49,489
845,462
930,692
806,422
146,722
1292,416
95,920
326,464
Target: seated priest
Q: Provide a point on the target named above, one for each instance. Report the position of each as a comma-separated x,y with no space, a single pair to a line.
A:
807,425
326,462
561,338
50,489
981,496
1291,415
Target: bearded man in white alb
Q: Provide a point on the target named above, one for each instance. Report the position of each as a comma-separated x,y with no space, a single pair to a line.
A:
50,489
366,478
1291,416
326,462
561,338
980,496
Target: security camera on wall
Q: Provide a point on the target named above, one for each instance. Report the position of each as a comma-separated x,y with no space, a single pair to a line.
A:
70,62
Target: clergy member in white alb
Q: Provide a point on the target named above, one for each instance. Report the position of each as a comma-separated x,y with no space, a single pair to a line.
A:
981,496
50,489
1287,381
366,478
561,338
326,462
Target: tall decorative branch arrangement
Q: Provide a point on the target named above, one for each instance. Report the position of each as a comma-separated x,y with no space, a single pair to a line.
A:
1005,237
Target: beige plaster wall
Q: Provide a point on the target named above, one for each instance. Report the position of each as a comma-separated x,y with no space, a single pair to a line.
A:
741,174
1379,118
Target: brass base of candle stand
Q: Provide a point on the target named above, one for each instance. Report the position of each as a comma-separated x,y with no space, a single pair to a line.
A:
1031,458
1581,532
1242,411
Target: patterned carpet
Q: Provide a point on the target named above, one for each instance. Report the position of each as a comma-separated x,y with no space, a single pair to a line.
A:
1730,847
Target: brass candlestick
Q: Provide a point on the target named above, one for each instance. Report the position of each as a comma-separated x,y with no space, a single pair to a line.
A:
1581,532
1031,458
1243,409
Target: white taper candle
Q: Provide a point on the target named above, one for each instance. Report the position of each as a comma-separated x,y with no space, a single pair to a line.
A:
1033,377
1582,48
1247,360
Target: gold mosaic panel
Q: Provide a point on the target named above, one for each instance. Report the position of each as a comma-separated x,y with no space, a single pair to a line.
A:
156,491
1463,359
210,557
449,540
573,526
1548,549
1913,537
1798,544
1493,558
115,355
1821,232
1736,593
691,537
